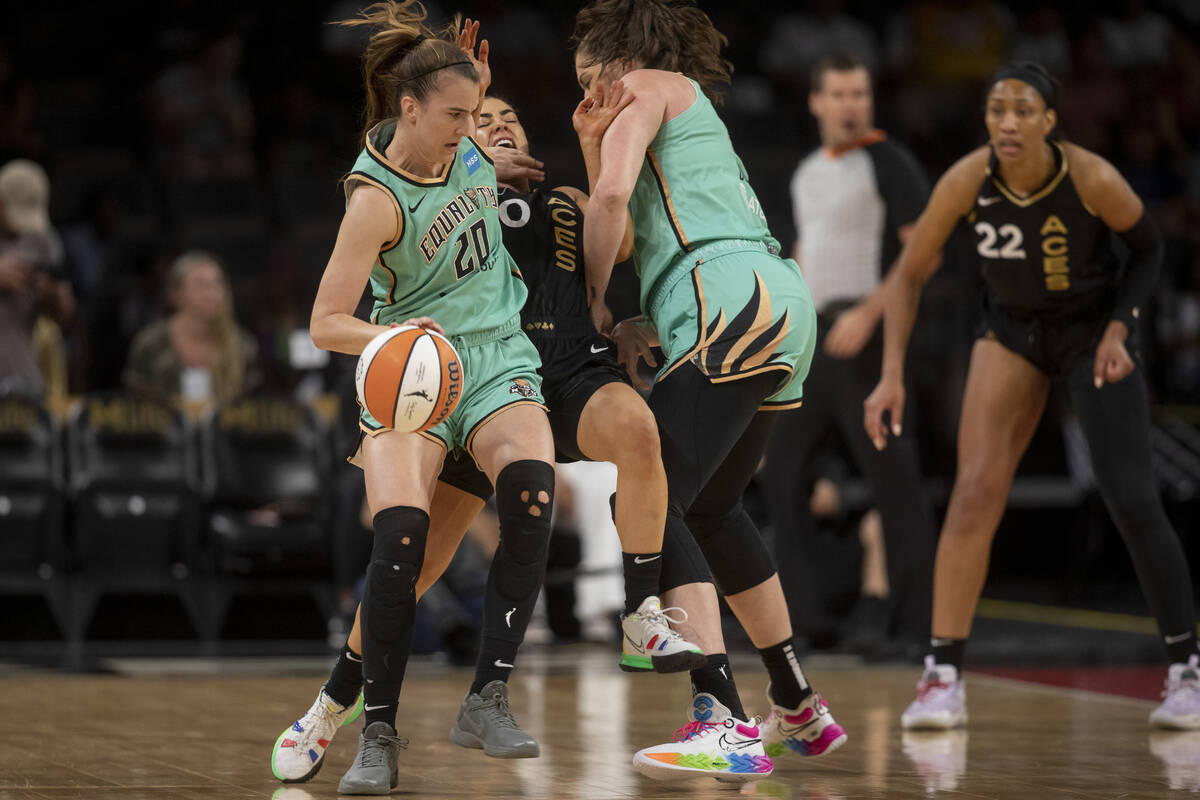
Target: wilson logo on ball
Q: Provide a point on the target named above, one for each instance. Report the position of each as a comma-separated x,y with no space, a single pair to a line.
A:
409,378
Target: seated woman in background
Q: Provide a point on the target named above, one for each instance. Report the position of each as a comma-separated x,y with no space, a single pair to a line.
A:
198,355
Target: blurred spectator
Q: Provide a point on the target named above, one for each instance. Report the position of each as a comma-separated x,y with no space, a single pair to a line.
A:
31,279
798,39
19,135
1137,37
1043,39
199,354
1096,95
201,114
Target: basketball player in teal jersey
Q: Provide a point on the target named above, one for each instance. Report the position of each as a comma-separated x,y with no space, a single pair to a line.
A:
421,224
737,329
594,414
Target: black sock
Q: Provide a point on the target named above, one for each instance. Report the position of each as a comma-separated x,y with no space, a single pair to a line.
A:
1180,650
345,681
496,659
789,687
949,651
642,571
716,678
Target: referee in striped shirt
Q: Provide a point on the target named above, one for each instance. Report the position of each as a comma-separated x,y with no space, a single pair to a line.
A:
855,200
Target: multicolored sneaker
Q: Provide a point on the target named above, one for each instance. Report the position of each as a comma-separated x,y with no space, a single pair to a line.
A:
376,767
941,699
713,743
1180,709
809,729
649,643
300,750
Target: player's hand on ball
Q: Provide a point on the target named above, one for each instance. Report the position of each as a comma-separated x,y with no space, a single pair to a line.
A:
888,396
421,322
632,338
1113,362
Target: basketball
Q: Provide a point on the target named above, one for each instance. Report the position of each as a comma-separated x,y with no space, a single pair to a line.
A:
409,378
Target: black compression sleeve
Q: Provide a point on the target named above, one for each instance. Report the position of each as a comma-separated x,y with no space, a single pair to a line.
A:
1141,272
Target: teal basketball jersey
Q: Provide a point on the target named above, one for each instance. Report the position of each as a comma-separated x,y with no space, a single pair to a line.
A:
692,189
447,260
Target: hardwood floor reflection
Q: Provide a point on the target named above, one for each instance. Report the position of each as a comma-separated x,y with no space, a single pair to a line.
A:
209,738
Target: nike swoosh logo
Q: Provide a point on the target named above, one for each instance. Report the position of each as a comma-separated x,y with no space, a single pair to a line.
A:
373,708
500,663
508,618
987,201
640,560
413,208
1174,639
731,744
600,350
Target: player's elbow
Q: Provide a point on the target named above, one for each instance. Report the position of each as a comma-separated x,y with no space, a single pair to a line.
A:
610,197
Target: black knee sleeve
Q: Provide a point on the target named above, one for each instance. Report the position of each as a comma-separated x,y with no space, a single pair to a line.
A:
396,559
524,504
734,549
682,560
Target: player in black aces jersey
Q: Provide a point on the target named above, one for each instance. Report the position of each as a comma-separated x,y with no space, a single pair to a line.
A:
1058,306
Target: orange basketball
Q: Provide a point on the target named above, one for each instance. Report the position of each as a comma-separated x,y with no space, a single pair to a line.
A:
409,378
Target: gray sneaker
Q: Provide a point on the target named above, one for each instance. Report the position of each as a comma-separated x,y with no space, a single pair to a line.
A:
374,770
486,722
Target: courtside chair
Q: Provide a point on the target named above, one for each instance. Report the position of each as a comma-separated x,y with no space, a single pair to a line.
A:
32,549
133,483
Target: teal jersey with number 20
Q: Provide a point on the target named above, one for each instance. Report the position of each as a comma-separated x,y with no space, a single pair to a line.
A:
447,260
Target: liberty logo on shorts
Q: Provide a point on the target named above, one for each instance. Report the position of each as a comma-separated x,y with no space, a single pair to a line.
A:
524,388
471,160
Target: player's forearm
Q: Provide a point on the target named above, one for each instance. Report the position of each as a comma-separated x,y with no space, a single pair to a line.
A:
342,333
902,297
591,161
604,226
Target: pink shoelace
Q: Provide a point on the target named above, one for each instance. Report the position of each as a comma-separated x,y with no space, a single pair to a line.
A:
694,728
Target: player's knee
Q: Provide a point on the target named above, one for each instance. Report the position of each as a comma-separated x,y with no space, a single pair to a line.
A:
524,504
978,489
396,558
737,555
639,440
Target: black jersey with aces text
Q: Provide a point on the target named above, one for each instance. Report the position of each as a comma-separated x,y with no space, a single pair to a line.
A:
1047,253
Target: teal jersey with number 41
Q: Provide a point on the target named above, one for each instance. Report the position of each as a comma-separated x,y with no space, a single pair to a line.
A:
447,260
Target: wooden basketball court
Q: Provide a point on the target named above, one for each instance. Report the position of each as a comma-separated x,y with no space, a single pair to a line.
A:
107,737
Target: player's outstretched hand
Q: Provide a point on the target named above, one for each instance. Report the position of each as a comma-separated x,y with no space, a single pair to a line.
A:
634,340
594,114
466,41
511,164
1112,362
421,322
888,396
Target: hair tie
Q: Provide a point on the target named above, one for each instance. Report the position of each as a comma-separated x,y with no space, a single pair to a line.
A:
1025,73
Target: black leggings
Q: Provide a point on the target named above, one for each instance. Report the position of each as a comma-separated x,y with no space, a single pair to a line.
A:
1115,420
713,438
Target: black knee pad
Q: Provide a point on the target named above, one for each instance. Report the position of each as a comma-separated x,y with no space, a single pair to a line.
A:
734,549
682,560
396,559
524,502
